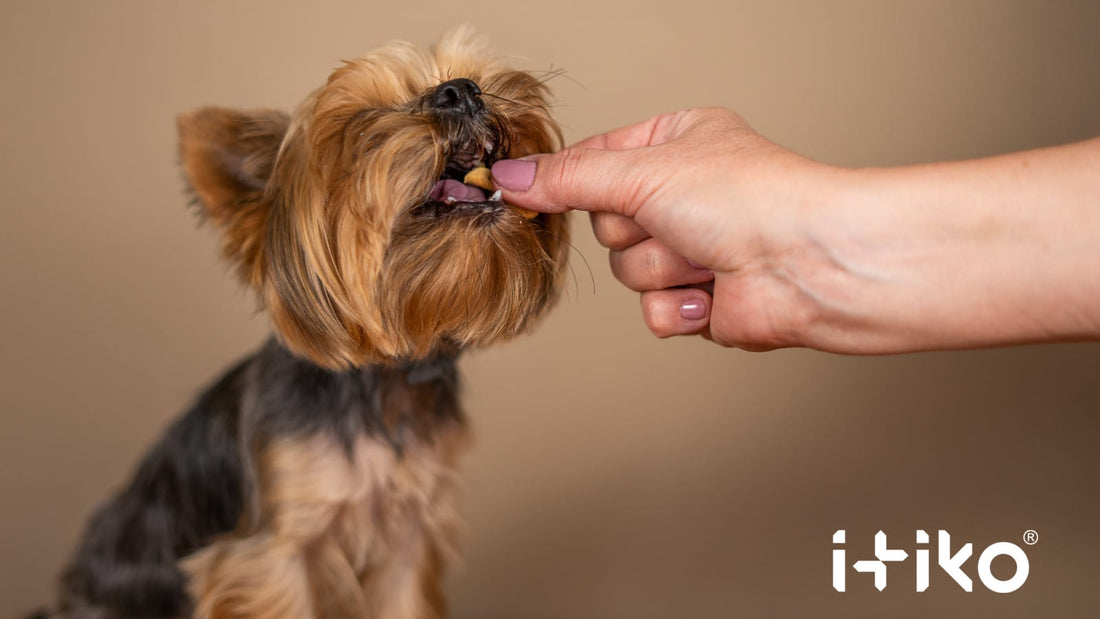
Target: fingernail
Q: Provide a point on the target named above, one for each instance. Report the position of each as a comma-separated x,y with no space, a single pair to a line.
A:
514,174
695,265
693,309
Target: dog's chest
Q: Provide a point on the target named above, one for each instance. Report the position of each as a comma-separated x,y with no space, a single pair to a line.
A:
373,483
357,506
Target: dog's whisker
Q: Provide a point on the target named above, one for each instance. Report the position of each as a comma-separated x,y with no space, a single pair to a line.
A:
550,74
591,276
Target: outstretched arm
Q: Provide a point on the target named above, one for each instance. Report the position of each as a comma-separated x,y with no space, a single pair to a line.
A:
733,237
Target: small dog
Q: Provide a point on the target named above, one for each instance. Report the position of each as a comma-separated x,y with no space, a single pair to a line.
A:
316,478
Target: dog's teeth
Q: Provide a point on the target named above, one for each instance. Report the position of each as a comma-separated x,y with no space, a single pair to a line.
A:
451,200
495,197
488,146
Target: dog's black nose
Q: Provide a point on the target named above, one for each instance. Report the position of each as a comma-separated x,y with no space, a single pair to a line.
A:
461,96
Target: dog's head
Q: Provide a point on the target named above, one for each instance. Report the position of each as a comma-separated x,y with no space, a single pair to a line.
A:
350,219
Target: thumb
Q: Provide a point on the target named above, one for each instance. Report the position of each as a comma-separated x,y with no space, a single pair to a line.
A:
587,179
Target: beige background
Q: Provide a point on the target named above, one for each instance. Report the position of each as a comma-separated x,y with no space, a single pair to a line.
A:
615,475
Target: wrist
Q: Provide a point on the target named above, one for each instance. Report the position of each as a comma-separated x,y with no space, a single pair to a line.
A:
957,255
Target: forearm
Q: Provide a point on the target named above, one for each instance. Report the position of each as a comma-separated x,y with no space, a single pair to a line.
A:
962,254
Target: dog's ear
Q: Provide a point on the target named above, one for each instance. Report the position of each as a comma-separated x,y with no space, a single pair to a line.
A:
228,157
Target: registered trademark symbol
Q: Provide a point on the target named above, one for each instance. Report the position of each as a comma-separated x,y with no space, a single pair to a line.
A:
1031,537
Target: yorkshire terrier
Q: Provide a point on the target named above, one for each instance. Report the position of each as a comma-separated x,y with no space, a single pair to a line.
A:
316,478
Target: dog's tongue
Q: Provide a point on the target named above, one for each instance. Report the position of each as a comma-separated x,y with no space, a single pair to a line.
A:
450,190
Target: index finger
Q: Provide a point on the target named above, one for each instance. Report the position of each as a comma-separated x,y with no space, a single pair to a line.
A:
651,131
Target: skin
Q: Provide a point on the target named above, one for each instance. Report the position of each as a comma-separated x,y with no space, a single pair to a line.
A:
696,207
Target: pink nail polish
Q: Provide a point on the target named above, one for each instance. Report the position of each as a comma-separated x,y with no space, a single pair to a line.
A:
693,309
514,174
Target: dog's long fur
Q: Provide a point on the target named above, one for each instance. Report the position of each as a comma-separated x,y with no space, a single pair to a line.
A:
316,478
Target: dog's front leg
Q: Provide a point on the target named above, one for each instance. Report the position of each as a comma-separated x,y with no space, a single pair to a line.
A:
407,582
283,560
336,534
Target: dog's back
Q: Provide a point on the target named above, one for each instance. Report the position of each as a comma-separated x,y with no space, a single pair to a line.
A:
188,489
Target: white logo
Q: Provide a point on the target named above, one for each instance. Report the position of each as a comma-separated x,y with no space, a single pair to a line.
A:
951,564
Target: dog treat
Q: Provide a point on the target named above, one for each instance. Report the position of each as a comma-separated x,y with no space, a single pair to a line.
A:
483,177
480,177
527,214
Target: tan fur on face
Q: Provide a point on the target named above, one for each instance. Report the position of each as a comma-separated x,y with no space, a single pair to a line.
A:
348,274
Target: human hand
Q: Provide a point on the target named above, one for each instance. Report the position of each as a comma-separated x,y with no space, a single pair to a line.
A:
735,238
698,212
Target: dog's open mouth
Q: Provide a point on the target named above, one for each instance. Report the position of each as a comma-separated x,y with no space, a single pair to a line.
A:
450,195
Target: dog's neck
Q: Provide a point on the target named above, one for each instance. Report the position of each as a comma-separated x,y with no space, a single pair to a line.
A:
437,365
392,401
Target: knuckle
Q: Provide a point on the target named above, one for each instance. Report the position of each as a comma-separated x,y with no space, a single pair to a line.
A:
568,169
655,318
751,327
726,337
615,260
642,267
611,231
657,270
